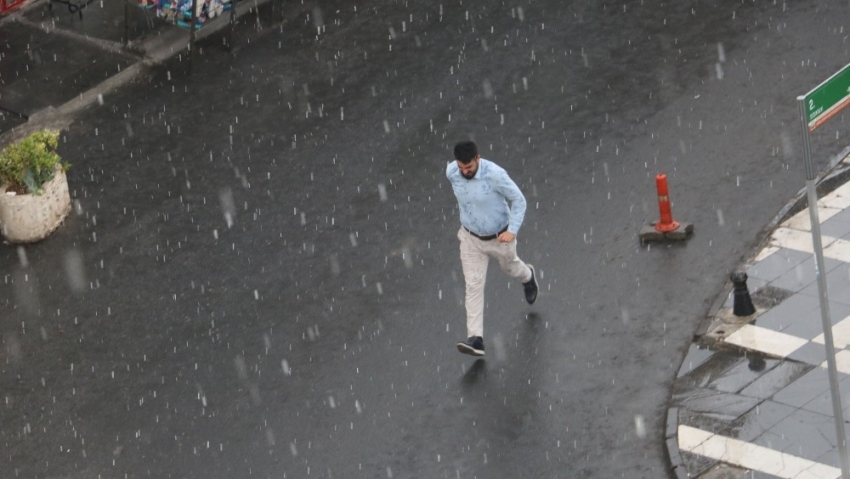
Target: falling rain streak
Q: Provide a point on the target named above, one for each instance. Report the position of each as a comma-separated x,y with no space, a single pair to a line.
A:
230,295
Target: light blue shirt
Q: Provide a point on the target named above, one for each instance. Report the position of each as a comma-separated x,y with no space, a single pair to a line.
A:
483,200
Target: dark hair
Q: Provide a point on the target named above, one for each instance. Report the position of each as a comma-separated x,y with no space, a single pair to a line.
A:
465,151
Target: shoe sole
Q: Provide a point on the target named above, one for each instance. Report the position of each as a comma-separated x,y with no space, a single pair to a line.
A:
466,349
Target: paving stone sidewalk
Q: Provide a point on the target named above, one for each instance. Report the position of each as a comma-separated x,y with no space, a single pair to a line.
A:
752,398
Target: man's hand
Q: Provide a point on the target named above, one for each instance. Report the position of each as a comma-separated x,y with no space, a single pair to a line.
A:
506,237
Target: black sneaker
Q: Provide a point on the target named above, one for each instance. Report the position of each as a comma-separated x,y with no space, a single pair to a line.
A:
531,287
474,345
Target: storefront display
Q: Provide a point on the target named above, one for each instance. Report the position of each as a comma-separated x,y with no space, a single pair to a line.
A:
181,11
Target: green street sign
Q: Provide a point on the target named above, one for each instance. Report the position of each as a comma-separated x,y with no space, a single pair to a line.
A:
828,98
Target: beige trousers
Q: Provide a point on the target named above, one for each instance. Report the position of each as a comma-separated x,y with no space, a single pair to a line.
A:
475,255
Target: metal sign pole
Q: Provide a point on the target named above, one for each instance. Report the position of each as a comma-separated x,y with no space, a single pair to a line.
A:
823,294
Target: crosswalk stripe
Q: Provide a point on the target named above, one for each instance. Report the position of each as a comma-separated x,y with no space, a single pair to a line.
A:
765,340
752,456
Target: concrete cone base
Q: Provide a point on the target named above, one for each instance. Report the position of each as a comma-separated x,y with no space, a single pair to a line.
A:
649,234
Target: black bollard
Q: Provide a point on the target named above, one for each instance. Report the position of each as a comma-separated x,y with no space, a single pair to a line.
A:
743,304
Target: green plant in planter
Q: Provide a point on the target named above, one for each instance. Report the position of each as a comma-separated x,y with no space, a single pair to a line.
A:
27,165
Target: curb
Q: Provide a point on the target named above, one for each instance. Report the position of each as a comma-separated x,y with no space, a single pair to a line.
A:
671,438
157,51
836,173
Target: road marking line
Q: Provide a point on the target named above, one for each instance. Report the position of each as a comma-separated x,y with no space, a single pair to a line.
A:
752,456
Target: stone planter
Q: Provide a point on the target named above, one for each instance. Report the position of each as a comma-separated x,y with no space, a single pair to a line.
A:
30,218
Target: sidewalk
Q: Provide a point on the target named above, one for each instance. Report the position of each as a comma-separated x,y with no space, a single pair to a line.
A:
752,399
56,62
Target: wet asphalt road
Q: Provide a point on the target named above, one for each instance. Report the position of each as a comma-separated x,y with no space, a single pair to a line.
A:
261,278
